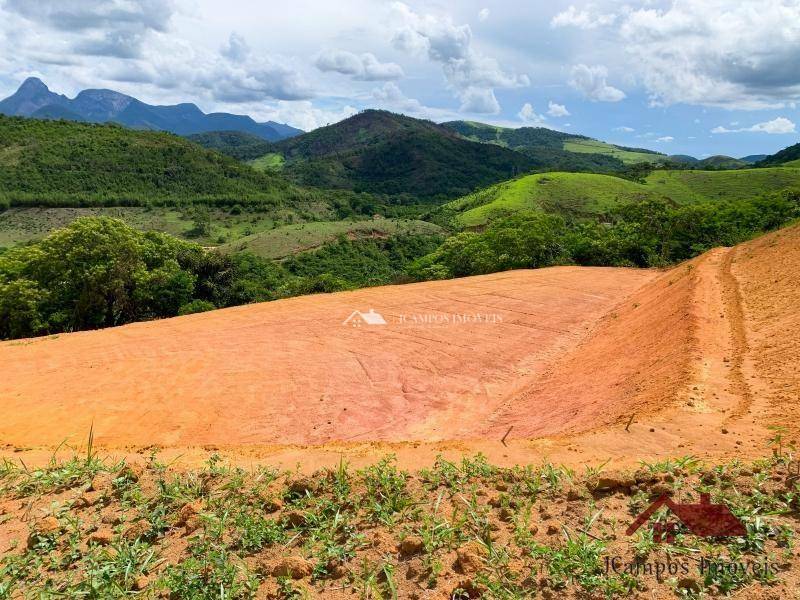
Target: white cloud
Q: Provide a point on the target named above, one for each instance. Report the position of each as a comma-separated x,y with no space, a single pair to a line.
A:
479,100
483,14
528,115
391,96
736,54
624,129
583,19
780,125
557,110
591,81
666,138
112,28
302,114
364,67
236,49
471,75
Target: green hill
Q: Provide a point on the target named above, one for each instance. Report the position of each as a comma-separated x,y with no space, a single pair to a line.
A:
556,150
788,156
236,144
721,161
585,194
683,159
385,153
751,159
60,163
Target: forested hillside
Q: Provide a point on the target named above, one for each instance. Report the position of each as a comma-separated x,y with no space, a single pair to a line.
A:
785,156
60,163
555,150
385,153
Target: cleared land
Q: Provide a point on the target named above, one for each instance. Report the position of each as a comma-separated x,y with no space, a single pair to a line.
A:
291,239
615,372
20,225
597,147
289,372
587,194
571,352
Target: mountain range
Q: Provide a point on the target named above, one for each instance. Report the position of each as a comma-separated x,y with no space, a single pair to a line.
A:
34,99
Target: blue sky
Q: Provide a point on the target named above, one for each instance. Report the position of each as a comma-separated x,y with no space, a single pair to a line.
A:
692,77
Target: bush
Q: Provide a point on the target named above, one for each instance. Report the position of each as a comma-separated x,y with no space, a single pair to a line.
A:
196,306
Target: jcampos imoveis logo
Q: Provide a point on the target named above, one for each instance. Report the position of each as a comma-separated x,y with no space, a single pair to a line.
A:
703,519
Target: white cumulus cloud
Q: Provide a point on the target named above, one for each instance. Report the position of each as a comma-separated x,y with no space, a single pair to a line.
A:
776,126
737,54
528,115
470,74
483,14
583,19
624,129
557,110
365,66
591,82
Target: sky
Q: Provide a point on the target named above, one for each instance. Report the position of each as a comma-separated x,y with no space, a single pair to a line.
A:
699,77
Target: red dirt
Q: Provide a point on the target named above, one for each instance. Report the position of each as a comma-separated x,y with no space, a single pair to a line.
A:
695,360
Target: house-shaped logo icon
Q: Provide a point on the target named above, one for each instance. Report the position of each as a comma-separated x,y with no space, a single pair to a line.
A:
703,519
358,318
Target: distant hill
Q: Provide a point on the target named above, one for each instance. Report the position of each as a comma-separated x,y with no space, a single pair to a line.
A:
34,99
61,163
787,155
237,144
55,112
721,161
683,159
753,158
386,153
556,150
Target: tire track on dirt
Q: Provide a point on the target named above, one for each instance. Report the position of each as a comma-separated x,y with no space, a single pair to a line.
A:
732,299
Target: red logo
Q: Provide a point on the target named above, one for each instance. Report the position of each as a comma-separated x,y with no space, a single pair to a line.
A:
703,519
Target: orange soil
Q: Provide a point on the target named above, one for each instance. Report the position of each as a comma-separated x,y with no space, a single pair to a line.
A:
578,363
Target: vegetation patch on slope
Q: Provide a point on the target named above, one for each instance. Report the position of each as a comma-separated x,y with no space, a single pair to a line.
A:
236,144
626,155
648,233
292,239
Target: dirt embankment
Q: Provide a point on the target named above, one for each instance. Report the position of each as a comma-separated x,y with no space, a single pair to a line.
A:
579,364
293,372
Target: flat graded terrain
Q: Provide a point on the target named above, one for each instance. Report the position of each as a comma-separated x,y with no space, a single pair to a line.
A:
290,372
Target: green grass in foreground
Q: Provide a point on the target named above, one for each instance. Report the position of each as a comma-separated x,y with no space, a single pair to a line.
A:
292,239
463,529
586,194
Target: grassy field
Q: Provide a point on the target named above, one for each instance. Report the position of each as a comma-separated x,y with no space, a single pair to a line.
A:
19,225
94,528
597,147
269,162
575,193
291,239
584,194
